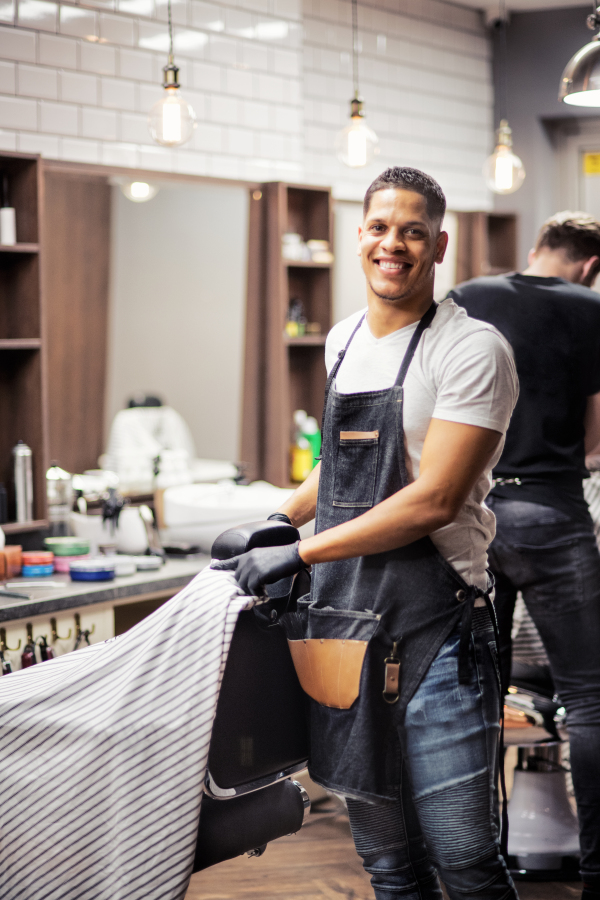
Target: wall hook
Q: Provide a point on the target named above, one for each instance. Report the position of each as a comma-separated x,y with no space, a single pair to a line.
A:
55,635
82,635
3,645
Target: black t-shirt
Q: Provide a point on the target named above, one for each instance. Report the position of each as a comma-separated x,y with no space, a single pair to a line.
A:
554,329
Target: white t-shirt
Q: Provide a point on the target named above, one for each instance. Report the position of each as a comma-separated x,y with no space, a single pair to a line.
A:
463,371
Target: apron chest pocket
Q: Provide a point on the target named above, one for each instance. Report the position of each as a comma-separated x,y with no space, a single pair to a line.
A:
356,469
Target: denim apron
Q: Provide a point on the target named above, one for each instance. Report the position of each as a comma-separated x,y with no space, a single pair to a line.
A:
397,607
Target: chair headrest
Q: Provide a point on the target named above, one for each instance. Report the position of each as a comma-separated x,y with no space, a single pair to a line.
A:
253,534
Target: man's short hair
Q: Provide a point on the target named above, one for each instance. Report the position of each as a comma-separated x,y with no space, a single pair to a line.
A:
407,179
577,233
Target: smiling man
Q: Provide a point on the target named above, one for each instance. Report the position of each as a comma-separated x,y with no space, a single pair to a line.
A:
404,719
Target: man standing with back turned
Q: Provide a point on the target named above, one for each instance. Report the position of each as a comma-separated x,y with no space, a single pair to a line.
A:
404,711
544,543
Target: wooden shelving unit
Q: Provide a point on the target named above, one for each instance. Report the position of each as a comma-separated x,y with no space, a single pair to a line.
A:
487,244
282,373
22,381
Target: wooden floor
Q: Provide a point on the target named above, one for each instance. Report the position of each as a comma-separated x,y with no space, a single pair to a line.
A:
318,863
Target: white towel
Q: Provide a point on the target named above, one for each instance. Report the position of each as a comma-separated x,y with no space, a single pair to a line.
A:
103,755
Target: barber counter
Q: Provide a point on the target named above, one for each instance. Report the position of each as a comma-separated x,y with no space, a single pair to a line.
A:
63,610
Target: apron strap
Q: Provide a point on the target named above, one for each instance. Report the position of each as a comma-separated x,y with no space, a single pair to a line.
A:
424,323
463,678
334,372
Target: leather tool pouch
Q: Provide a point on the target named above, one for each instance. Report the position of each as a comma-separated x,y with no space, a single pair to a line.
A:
328,648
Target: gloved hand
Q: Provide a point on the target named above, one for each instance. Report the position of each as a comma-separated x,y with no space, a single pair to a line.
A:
263,565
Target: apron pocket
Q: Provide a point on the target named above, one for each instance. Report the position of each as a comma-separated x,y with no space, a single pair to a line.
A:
328,648
357,453
329,669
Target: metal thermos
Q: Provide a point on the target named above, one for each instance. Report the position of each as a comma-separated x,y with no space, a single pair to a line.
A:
23,482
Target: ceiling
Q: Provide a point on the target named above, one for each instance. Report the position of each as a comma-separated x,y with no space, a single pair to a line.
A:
493,6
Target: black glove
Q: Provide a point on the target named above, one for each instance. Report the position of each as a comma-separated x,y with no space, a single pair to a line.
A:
279,517
263,565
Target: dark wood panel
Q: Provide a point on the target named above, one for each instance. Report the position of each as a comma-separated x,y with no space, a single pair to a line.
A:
487,244
253,428
21,415
76,229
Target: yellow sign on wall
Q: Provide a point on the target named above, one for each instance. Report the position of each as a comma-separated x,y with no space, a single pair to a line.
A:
591,163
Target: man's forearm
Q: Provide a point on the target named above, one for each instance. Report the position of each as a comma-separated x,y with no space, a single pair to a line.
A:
403,518
302,505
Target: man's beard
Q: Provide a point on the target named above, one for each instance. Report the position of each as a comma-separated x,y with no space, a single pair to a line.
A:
404,295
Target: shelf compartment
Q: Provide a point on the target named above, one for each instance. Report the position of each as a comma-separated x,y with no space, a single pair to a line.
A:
312,286
22,527
306,264
309,213
308,340
22,172
19,295
20,343
307,380
19,248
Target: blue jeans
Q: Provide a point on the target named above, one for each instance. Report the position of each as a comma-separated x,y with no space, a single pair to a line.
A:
554,561
446,815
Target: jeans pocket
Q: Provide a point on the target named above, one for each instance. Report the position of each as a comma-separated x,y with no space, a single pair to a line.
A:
356,469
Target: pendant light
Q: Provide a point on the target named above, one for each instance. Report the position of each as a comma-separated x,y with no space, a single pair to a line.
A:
172,120
503,171
356,145
580,82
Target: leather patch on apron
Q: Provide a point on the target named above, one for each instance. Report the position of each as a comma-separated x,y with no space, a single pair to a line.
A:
359,435
329,669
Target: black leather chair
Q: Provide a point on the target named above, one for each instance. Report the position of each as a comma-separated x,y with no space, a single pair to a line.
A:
259,737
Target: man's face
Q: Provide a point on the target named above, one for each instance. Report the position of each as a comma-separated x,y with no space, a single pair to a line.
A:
398,245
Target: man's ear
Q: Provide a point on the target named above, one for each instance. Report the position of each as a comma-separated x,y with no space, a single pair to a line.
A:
589,271
360,234
531,257
441,245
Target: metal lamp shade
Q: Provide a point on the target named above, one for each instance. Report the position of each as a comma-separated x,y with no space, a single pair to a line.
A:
580,82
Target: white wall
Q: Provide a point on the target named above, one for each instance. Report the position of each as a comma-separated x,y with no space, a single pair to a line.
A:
270,81
178,288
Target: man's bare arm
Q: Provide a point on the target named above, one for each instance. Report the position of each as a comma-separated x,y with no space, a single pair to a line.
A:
302,505
453,458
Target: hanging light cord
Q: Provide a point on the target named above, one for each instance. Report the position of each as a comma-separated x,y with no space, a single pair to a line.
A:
503,61
170,33
354,46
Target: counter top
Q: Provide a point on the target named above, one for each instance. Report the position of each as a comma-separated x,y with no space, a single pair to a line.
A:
175,574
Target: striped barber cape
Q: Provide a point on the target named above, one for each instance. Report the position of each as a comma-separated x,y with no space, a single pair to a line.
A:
103,755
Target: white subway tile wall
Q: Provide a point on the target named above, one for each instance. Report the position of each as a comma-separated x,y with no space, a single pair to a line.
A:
270,81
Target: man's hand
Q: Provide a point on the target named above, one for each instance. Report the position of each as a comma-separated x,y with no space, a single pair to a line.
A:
263,565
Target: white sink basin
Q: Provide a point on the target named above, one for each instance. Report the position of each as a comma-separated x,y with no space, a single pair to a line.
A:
199,513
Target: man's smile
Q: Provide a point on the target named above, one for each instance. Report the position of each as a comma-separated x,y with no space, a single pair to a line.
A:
393,265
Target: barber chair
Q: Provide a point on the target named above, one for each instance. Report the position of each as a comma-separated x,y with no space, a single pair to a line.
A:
543,839
259,738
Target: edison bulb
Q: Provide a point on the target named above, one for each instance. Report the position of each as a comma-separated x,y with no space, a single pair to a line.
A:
356,144
172,120
503,171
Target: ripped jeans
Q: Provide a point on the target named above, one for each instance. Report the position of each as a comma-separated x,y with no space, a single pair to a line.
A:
446,816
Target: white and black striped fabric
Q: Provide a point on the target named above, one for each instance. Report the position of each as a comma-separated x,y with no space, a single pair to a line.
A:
103,755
